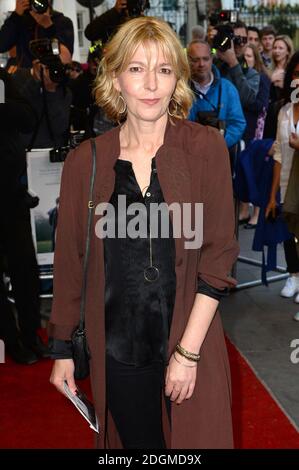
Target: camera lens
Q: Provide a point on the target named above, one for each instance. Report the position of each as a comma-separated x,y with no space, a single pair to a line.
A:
39,6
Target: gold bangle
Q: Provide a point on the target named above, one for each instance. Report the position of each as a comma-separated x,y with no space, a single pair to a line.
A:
187,354
186,365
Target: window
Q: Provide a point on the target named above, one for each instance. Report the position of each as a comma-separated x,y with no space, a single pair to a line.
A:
238,4
80,24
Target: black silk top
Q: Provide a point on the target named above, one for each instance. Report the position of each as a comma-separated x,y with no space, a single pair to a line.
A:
138,301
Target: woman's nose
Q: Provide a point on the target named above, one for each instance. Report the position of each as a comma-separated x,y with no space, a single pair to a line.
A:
151,80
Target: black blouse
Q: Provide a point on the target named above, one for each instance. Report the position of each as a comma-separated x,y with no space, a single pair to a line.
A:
138,309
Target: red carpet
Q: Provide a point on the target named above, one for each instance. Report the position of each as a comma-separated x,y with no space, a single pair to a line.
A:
34,415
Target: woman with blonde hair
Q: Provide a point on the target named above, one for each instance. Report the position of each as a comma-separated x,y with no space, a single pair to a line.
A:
159,366
282,51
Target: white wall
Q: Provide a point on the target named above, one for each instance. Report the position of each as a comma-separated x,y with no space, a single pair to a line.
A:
68,8
5,7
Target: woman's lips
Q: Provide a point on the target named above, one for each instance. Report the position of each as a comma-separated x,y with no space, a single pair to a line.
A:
151,102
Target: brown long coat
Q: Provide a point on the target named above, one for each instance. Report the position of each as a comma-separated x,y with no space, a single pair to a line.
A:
193,166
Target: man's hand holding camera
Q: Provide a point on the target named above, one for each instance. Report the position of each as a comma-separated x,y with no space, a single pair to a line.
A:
229,56
22,6
40,72
43,19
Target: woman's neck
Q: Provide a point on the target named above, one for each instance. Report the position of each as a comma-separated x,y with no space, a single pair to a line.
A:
281,64
144,135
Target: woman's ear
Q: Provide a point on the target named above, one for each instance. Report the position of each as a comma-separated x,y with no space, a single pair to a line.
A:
116,84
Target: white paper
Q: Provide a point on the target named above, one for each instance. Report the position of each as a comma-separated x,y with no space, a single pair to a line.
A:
2,92
84,406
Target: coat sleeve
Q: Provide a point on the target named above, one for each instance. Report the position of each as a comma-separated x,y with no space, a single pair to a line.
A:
68,253
9,32
235,120
220,248
247,85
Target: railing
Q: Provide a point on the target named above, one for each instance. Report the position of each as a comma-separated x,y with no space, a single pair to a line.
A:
261,19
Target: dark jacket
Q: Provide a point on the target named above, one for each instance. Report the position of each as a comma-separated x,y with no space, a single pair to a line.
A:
102,27
20,30
246,80
58,106
193,166
253,110
16,115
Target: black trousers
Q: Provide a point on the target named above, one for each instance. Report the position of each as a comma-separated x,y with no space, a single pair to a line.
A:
291,256
134,401
16,247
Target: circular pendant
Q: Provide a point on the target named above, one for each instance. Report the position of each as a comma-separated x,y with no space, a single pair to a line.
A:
151,274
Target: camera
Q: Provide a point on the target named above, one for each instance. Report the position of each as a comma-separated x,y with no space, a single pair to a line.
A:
59,154
210,118
47,52
39,6
225,34
224,16
137,7
223,38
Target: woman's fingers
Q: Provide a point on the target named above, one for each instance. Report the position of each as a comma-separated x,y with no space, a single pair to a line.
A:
182,395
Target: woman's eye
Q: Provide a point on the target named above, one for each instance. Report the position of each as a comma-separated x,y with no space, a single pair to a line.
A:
166,71
135,69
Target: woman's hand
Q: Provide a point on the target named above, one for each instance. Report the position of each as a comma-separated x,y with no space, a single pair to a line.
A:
294,141
271,207
63,369
180,379
277,77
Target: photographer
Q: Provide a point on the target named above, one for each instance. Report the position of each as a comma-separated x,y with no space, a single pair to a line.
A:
232,66
85,114
102,27
22,343
24,24
50,100
217,101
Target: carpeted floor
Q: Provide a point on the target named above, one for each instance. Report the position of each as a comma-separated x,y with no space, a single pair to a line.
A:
34,415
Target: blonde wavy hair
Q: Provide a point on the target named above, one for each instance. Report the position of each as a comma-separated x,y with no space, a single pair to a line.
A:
118,53
290,47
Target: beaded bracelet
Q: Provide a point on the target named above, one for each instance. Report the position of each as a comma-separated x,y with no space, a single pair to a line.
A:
187,354
186,365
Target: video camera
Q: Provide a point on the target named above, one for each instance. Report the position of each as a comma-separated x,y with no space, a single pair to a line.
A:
47,52
222,22
223,16
39,6
136,7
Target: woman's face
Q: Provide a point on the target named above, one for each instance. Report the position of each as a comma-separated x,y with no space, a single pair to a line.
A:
147,84
280,51
249,57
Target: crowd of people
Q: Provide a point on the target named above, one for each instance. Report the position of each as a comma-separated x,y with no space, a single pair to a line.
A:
244,92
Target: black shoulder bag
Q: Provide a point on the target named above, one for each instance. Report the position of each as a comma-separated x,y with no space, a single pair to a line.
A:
81,354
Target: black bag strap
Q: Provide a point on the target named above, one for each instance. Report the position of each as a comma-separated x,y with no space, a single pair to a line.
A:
88,236
204,97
